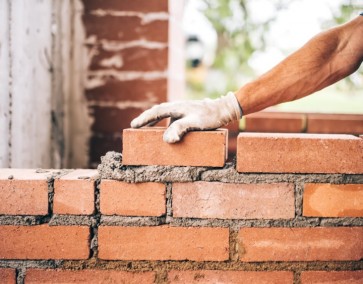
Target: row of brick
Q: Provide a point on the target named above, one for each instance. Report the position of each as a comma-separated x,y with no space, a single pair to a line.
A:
182,243
281,122
256,152
26,193
112,120
176,276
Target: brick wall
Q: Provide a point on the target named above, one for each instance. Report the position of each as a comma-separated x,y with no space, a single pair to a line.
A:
135,60
289,210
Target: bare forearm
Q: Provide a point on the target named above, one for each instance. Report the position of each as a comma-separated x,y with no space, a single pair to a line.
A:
324,60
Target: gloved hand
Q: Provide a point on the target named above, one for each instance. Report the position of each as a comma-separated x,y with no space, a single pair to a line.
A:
204,114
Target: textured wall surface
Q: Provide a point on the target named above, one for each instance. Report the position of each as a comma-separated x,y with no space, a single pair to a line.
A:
182,224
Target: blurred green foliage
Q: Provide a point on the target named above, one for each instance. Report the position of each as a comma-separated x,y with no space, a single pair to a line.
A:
239,37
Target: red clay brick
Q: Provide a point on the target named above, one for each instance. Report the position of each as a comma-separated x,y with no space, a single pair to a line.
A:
236,277
163,243
130,6
132,199
233,201
145,146
134,59
333,200
299,153
7,276
44,242
25,194
138,90
301,244
275,122
335,123
336,277
36,276
74,192
126,28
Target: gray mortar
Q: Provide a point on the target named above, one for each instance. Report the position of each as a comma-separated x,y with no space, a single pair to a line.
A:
132,221
71,220
111,168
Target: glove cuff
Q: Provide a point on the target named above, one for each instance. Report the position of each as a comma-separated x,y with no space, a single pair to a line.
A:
234,106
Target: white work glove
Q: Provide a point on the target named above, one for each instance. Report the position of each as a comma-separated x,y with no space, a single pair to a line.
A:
204,114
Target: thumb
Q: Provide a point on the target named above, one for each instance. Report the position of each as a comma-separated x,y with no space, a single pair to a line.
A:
176,130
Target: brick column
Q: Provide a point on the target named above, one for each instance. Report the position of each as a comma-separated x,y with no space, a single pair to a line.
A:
135,60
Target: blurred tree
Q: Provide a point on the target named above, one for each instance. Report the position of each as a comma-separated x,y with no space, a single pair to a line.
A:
239,36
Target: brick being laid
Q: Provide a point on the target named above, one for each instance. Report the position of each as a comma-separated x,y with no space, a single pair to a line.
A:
299,153
145,146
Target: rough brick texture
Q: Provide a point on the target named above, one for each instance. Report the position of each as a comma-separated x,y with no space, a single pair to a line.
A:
336,277
233,201
236,277
36,276
300,244
275,122
23,192
44,242
297,153
163,243
7,276
138,199
74,192
333,200
197,148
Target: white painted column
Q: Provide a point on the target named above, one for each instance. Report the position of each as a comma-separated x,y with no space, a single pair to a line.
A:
30,72
4,84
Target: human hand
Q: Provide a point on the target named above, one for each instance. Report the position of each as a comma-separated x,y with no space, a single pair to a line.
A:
204,114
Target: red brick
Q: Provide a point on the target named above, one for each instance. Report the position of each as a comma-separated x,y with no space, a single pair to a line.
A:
236,277
154,91
74,192
36,276
233,201
336,277
301,244
44,242
126,28
131,59
335,123
145,146
163,243
275,122
7,276
130,6
299,153
132,199
25,194
333,200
